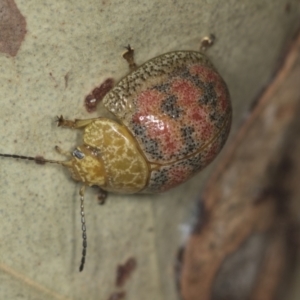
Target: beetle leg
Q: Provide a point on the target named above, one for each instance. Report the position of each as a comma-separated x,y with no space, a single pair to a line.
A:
77,123
63,152
102,195
207,42
129,56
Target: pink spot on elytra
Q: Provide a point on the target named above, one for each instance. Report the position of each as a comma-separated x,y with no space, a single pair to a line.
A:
223,96
157,125
148,101
186,92
176,176
196,115
170,145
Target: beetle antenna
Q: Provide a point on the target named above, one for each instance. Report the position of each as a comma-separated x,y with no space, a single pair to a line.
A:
83,228
38,159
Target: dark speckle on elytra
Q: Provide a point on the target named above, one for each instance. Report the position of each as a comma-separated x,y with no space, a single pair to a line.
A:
163,88
213,116
151,145
12,27
169,106
160,178
209,96
190,145
124,271
91,100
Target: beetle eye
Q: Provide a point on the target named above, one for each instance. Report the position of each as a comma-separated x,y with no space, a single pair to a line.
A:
78,154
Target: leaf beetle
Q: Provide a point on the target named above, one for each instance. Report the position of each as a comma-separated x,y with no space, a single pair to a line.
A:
170,118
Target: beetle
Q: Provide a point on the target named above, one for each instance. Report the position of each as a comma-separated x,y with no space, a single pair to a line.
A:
170,117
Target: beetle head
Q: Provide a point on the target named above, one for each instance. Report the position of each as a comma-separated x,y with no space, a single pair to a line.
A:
86,166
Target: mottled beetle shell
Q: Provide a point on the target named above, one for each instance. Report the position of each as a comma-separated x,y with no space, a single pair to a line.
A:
177,108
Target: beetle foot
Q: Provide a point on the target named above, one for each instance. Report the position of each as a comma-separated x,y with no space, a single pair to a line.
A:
61,122
207,42
102,196
129,56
